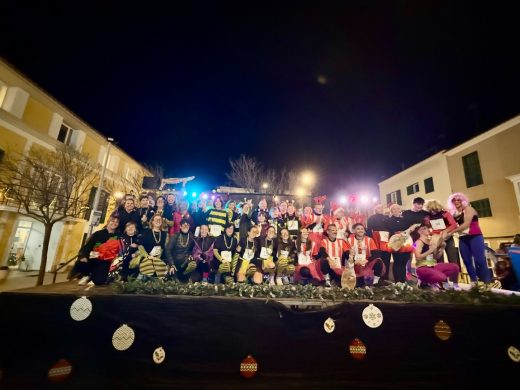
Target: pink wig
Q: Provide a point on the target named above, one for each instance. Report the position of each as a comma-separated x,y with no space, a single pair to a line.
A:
459,195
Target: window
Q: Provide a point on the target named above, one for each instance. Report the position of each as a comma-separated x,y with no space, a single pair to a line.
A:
65,134
483,207
2,154
104,198
412,189
472,170
428,185
394,197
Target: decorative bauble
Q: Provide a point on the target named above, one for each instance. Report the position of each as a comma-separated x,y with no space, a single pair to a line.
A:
348,278
514,353
123,338
357,349
60,371
80,309
442,330
329,325
372,316
159,355
248,367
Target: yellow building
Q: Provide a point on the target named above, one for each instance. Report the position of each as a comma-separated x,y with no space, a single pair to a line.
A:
485,168
29,119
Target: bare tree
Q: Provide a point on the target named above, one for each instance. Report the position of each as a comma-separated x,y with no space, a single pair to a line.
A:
280,181
246,172
49,186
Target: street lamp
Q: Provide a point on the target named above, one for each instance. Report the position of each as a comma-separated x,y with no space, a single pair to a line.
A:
95,214
265,186
308,178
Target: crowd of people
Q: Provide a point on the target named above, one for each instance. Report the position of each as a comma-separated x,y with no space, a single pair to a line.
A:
211,241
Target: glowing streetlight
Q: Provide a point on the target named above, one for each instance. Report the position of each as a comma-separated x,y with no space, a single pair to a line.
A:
343,200
265,186
364,199
375,199
119,194
193,194
185,193
308,178
300,192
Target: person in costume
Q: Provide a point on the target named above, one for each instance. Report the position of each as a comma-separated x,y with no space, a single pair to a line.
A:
262,208
428,267
179,253
266,256
355,216
307,217
292,221
91,264
339,219
225,255
377,225
276,220
397,224
180,214
203,254
368,268
149,259
129,214
471,240
286,258
160,210
262,224
307,267
441,223
233,214
332,253
246,220
217,218
145,211
199,217
129,243
246,260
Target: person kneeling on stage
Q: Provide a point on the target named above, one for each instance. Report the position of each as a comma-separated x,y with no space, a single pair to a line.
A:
429,270
332,254
225,255
95,257
306,271
179,253
246,266
203,254
286,258
266,255
368,269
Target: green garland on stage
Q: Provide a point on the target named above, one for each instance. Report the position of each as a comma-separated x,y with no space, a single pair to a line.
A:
398,292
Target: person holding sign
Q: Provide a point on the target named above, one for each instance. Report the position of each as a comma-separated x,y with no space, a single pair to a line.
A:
217,218
225,255
331,253
246,260
442,223
266,255
286,255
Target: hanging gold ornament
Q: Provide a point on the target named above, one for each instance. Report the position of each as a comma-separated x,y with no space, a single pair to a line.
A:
442,330
329,325
80,309
123,338
159,354
372,316
514,353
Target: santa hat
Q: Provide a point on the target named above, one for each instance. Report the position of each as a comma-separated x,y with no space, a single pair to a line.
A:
335,208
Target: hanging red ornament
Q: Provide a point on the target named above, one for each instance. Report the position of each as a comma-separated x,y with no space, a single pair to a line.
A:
248,367
357,349
60,371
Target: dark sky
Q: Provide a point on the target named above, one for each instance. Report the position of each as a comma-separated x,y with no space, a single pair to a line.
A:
190,84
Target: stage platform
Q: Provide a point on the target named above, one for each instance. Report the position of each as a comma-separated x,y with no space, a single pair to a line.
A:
206,338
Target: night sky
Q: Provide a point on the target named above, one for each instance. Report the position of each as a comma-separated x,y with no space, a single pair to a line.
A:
352,90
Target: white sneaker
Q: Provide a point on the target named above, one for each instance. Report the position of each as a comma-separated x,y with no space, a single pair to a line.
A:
285,280
279,281
84,280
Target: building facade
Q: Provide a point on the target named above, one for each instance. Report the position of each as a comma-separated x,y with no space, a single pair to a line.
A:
485,168
30,119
